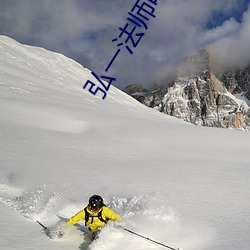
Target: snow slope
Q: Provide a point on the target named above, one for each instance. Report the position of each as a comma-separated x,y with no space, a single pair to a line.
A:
176,183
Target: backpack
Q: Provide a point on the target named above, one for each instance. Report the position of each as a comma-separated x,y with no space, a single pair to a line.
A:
88,216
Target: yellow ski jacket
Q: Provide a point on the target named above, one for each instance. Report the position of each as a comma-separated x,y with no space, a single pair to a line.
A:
94,223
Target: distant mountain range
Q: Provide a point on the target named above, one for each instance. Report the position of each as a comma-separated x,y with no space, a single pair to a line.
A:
202,94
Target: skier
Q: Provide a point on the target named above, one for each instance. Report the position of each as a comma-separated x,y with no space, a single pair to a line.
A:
95,214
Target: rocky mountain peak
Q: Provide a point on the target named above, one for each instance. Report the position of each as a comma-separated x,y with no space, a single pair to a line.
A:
197,64
202,97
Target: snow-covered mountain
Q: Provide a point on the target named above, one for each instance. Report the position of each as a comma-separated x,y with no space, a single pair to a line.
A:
202,96
182,185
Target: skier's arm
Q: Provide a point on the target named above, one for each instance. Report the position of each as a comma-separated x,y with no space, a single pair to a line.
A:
77,217
110,214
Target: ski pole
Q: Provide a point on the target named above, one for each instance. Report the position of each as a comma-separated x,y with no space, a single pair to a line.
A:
45,228
146,238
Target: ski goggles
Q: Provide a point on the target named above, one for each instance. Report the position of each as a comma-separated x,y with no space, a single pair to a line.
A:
94,208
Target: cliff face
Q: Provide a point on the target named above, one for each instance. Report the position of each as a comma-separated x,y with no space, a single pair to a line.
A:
237,81
201,97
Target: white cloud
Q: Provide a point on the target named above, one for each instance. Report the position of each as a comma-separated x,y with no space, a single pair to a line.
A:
228,28
83,29
233,50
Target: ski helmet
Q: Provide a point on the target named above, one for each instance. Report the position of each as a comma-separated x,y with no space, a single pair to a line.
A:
95,202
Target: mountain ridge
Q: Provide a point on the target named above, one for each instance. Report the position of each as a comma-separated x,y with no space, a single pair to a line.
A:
201,95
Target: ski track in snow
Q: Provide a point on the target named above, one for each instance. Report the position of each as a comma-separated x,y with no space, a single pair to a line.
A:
43,117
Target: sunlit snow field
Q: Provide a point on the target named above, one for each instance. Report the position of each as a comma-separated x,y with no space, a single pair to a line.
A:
179,184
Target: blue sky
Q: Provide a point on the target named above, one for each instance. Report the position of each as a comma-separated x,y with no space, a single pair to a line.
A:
84,30
219,17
